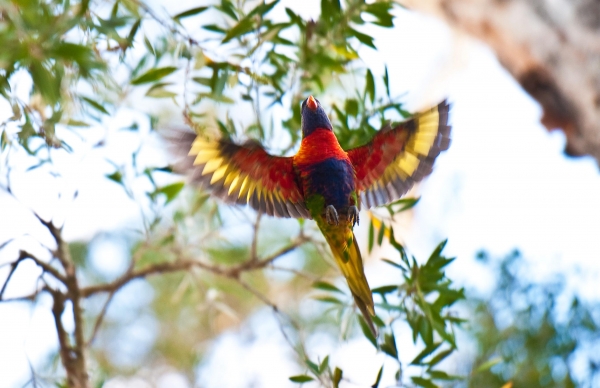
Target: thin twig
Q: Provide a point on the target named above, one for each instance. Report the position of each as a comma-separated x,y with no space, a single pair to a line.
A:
45,266
60,253
13,268
298,272
278,313
23,255
259,295
253,247
25,298
282,319
101,317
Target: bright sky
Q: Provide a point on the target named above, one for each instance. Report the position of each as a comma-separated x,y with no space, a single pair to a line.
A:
503,184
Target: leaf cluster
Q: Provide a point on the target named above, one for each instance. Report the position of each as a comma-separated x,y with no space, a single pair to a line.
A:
533,334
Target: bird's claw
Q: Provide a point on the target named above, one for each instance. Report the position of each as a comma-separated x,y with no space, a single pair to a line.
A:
331,215
353,215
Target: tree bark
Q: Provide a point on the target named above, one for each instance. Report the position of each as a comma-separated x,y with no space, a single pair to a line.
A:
552,48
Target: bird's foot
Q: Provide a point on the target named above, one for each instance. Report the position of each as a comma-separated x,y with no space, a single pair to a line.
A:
331,215
353,215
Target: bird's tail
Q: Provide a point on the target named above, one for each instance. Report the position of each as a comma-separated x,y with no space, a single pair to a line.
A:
347,255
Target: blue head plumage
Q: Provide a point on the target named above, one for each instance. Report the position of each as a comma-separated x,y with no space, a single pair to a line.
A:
313,116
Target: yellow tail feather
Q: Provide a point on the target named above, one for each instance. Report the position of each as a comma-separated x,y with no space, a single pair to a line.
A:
347,255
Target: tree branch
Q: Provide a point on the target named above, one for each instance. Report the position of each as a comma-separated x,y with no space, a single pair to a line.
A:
185,264
72,355
45,266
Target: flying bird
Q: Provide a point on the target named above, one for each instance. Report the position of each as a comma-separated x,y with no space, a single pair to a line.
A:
323,181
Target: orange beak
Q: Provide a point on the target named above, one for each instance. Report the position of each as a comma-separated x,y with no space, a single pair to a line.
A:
312,103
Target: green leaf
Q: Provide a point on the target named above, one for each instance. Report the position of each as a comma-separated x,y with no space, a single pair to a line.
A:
421,382
328,299
324,365
371,236
244,26
378,321
381,11
45,81
337,377
351,107
441,375
426,331
301,379
378,379
214,28
389,345
149,46
330,9
153,75
228,8
133,31
367,331
190,12
325,286
116,177
159,91
370,85
440,357
263,9
95,105
392,263
381,235
363,38
312,366
404,204
488,364
386,81
397,246
77,123
424,353
438,250
4,141
384,289
171,191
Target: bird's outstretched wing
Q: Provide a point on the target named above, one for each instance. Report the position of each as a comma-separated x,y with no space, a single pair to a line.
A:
242,174
388,166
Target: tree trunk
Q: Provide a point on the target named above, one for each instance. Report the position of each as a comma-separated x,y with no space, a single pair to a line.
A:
552,48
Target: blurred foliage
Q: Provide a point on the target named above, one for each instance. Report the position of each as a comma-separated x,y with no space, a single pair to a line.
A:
533,334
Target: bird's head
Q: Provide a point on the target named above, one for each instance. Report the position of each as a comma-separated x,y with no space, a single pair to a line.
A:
313,116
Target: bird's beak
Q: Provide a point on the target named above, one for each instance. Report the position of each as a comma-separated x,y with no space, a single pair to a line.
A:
311,103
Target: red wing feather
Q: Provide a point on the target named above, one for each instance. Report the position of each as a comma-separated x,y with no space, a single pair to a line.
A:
243,174
388,166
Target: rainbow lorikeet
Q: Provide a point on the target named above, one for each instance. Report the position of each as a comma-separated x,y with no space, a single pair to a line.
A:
323,181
